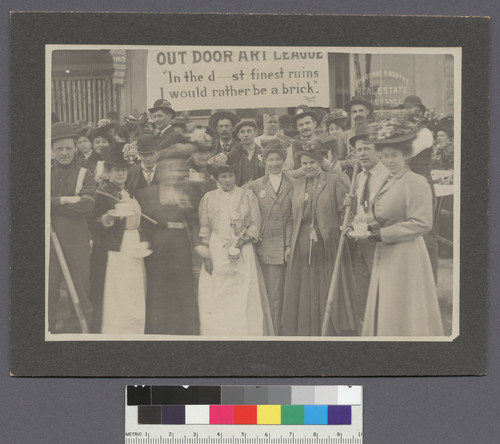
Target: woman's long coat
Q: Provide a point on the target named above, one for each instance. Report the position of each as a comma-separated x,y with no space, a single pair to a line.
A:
330,194
402,298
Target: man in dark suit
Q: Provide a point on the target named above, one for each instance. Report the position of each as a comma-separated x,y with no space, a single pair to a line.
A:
72,197
144,173
162,115
223,123
247,156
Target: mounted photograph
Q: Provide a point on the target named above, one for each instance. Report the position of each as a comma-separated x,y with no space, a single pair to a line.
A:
248,195
252,193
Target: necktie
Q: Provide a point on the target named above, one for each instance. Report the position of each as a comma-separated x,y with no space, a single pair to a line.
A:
366,192
149,176
225,148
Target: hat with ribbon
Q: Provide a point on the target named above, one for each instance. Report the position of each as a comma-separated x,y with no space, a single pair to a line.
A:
303,111
218,164
315,149
102,127
338,116
116,157
163,105
359,100
399,128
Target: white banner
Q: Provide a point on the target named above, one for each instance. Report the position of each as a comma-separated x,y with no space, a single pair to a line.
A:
209,77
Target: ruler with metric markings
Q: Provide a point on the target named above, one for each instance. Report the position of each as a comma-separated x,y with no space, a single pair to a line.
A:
244,415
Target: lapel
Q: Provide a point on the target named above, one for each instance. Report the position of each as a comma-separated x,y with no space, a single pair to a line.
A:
391,181
301,190
321,184
266,184
286,186
379,186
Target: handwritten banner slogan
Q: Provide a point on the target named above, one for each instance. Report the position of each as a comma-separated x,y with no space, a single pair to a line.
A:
204,77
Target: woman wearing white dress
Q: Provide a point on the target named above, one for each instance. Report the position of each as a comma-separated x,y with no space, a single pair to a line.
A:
232,298
118,274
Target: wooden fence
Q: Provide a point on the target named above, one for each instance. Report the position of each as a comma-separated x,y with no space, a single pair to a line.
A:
88,99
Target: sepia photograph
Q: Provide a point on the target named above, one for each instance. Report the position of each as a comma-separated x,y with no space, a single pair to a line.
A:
252,193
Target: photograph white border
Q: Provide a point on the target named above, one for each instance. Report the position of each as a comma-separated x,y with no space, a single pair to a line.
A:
456,52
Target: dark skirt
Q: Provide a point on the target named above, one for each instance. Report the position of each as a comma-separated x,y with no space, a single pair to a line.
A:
307,286
171,305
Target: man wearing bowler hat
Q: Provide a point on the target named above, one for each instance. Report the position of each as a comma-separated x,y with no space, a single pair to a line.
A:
223,123
162,115
72,197
143,174
360,109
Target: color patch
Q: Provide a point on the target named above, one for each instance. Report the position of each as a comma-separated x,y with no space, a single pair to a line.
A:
339,415
173,414
233,395
268,414
139,395
292,414
221,414
302,394
279,394
256,395
350,395
245,414
149,414
315,414
197,414
177,395
325,395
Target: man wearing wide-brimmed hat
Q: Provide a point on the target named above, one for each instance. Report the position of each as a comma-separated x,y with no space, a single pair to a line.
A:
143,174
305,121
223,123
162,115
72,191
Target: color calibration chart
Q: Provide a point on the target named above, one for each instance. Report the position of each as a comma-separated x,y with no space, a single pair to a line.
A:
265,414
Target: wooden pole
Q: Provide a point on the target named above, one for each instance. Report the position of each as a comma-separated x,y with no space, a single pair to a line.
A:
338,259
69,281
102,193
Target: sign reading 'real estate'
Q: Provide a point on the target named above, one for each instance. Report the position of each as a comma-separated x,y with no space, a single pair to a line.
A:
205,77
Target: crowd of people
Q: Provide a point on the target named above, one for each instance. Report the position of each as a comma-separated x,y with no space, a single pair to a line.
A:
235,228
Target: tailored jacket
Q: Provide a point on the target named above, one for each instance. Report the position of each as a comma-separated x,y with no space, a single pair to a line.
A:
136,180
218,146
169,137
402,298
246,170
276,213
